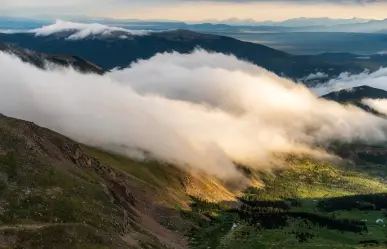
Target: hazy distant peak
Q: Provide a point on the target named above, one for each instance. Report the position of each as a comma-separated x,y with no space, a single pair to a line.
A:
295,22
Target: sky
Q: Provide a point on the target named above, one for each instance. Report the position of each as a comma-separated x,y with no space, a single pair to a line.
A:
196,10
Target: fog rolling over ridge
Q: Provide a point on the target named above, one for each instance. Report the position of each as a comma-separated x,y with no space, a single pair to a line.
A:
199,111
78,31
346,80
82,30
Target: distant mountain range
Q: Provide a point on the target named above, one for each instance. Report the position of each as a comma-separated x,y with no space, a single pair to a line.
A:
120,49
303,25
292,25
361,27
294,22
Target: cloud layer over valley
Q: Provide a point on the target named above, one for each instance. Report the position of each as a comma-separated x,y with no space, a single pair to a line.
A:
200,111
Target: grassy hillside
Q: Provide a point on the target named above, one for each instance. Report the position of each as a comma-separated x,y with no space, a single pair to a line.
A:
56,193
48,200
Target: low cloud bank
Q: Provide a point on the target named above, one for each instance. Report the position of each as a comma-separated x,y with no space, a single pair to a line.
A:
316,76
382,53
8,31
346,80
82,30
199,111
379,105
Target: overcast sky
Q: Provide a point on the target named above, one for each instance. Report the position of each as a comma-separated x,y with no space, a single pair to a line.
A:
195,10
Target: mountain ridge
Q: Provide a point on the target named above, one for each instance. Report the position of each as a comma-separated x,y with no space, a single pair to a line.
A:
114,52
40,60
356,94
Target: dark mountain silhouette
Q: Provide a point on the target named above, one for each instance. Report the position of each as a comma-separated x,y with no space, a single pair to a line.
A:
356,94
40,59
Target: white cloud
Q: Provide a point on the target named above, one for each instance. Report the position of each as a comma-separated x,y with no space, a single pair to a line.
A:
82,30
8,31
200,111
316,76
379,105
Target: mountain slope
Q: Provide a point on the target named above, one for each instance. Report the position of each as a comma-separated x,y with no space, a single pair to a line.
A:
113,51
40,59
55,193
56,196
47,199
